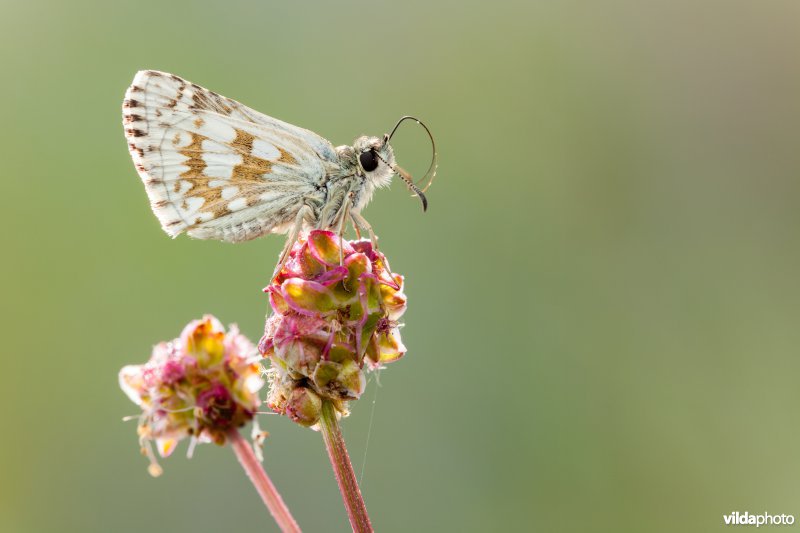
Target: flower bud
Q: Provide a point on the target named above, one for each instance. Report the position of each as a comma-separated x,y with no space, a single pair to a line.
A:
335,308
200,385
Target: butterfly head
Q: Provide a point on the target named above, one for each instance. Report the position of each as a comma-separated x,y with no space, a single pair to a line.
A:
376,161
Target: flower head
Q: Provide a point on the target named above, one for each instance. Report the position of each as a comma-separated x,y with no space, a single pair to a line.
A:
200,385
336,307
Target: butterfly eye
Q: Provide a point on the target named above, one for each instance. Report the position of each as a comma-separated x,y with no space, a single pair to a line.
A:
369,160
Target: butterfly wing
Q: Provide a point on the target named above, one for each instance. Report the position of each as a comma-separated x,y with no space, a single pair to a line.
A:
216,169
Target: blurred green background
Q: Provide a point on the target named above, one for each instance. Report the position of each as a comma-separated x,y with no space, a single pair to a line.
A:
604,300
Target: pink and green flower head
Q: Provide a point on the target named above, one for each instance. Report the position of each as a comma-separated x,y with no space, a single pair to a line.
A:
336,307
200,385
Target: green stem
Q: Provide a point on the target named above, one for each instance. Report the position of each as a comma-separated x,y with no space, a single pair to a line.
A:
255,471
343,469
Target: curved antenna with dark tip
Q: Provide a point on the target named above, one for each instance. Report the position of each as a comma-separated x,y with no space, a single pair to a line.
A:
406,177
431,173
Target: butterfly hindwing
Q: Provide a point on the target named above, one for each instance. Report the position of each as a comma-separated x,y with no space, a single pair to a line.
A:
215,168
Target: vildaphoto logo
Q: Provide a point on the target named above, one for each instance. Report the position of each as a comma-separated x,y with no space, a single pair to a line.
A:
746,519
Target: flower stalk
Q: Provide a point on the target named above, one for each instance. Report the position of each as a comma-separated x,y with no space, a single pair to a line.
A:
343,470
255,471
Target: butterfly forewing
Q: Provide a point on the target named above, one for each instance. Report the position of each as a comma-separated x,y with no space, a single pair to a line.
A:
215,168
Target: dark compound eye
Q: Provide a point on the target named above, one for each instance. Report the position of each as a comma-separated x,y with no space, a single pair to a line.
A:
369,160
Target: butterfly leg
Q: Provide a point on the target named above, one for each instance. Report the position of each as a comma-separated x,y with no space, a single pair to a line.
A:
359,221
327,217
305,213
345,215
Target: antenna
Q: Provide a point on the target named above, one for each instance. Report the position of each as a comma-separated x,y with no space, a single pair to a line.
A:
431,173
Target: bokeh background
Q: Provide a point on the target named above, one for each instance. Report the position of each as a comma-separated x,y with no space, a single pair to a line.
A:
604,299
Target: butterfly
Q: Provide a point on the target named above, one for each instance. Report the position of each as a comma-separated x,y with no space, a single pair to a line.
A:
215,169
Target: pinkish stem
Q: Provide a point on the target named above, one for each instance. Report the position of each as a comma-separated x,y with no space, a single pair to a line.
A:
255,471
343,469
